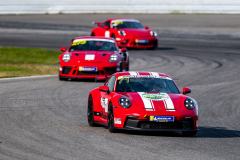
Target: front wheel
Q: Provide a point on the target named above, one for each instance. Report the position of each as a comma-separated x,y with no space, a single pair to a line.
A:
90,112
92,34
110,119
127,69
189,133
62,78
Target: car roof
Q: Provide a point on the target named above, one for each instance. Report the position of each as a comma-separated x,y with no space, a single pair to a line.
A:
93,37
121,19
141,73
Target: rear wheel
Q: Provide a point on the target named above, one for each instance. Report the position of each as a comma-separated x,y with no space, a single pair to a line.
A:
92,34
90,112
110,119
189,133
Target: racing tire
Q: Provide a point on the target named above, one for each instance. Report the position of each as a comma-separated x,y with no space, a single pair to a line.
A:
127,69
92,34
62,78
121,66
189,133
90,112
110,119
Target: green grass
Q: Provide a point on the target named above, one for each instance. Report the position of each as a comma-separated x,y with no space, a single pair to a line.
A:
16,62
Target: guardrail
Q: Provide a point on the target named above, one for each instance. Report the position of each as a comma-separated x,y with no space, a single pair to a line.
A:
119,6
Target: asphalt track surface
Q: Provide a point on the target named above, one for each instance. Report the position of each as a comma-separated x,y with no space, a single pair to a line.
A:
44,118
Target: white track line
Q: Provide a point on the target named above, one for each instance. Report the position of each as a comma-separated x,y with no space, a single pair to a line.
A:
28,77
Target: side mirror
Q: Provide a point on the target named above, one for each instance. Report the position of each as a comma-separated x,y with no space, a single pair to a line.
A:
106,27
63,49
146,27
104,89
186,90
123,50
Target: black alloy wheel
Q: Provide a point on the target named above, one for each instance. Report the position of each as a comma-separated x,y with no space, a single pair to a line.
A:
110,119
90,113
127,69
62,79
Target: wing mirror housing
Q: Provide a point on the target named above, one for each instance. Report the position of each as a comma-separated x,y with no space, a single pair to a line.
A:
186,90
123,50
146,27
63,49
106,27
104,89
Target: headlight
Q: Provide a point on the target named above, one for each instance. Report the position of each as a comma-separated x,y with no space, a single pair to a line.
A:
189,103
125,102
153,33
113,58
66,57
121,33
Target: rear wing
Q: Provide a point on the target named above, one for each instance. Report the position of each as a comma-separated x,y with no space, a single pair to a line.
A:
98,23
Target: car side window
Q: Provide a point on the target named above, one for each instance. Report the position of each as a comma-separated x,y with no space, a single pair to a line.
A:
110,83
106,24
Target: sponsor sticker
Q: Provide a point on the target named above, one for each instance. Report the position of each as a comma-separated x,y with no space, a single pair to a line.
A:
117,121
141,41
162,118
89,57
115,23
79,42
94,69
155,96
104,103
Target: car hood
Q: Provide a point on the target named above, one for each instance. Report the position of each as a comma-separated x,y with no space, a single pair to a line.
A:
90,56
136,32
155,101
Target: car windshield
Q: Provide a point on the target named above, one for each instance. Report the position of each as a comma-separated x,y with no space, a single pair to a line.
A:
126,24
146,84
92,45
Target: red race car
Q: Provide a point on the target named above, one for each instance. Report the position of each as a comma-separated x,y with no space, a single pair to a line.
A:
127,33
92,57
146,101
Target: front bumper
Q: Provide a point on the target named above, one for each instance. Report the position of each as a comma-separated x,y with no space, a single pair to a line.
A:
146,125
132,42
73,71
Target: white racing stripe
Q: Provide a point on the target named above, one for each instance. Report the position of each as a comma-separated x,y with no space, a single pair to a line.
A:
154,74
133,73
148,104
169,104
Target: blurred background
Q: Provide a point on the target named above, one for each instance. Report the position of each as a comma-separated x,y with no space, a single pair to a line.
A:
123,6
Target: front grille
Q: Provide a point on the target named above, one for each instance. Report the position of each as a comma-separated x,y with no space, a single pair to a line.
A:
74,72
145,124
66,70
124,43
110,70
141,44
87,73
161,125
155,42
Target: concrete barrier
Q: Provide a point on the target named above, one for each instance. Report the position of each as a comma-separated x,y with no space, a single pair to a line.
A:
119,6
